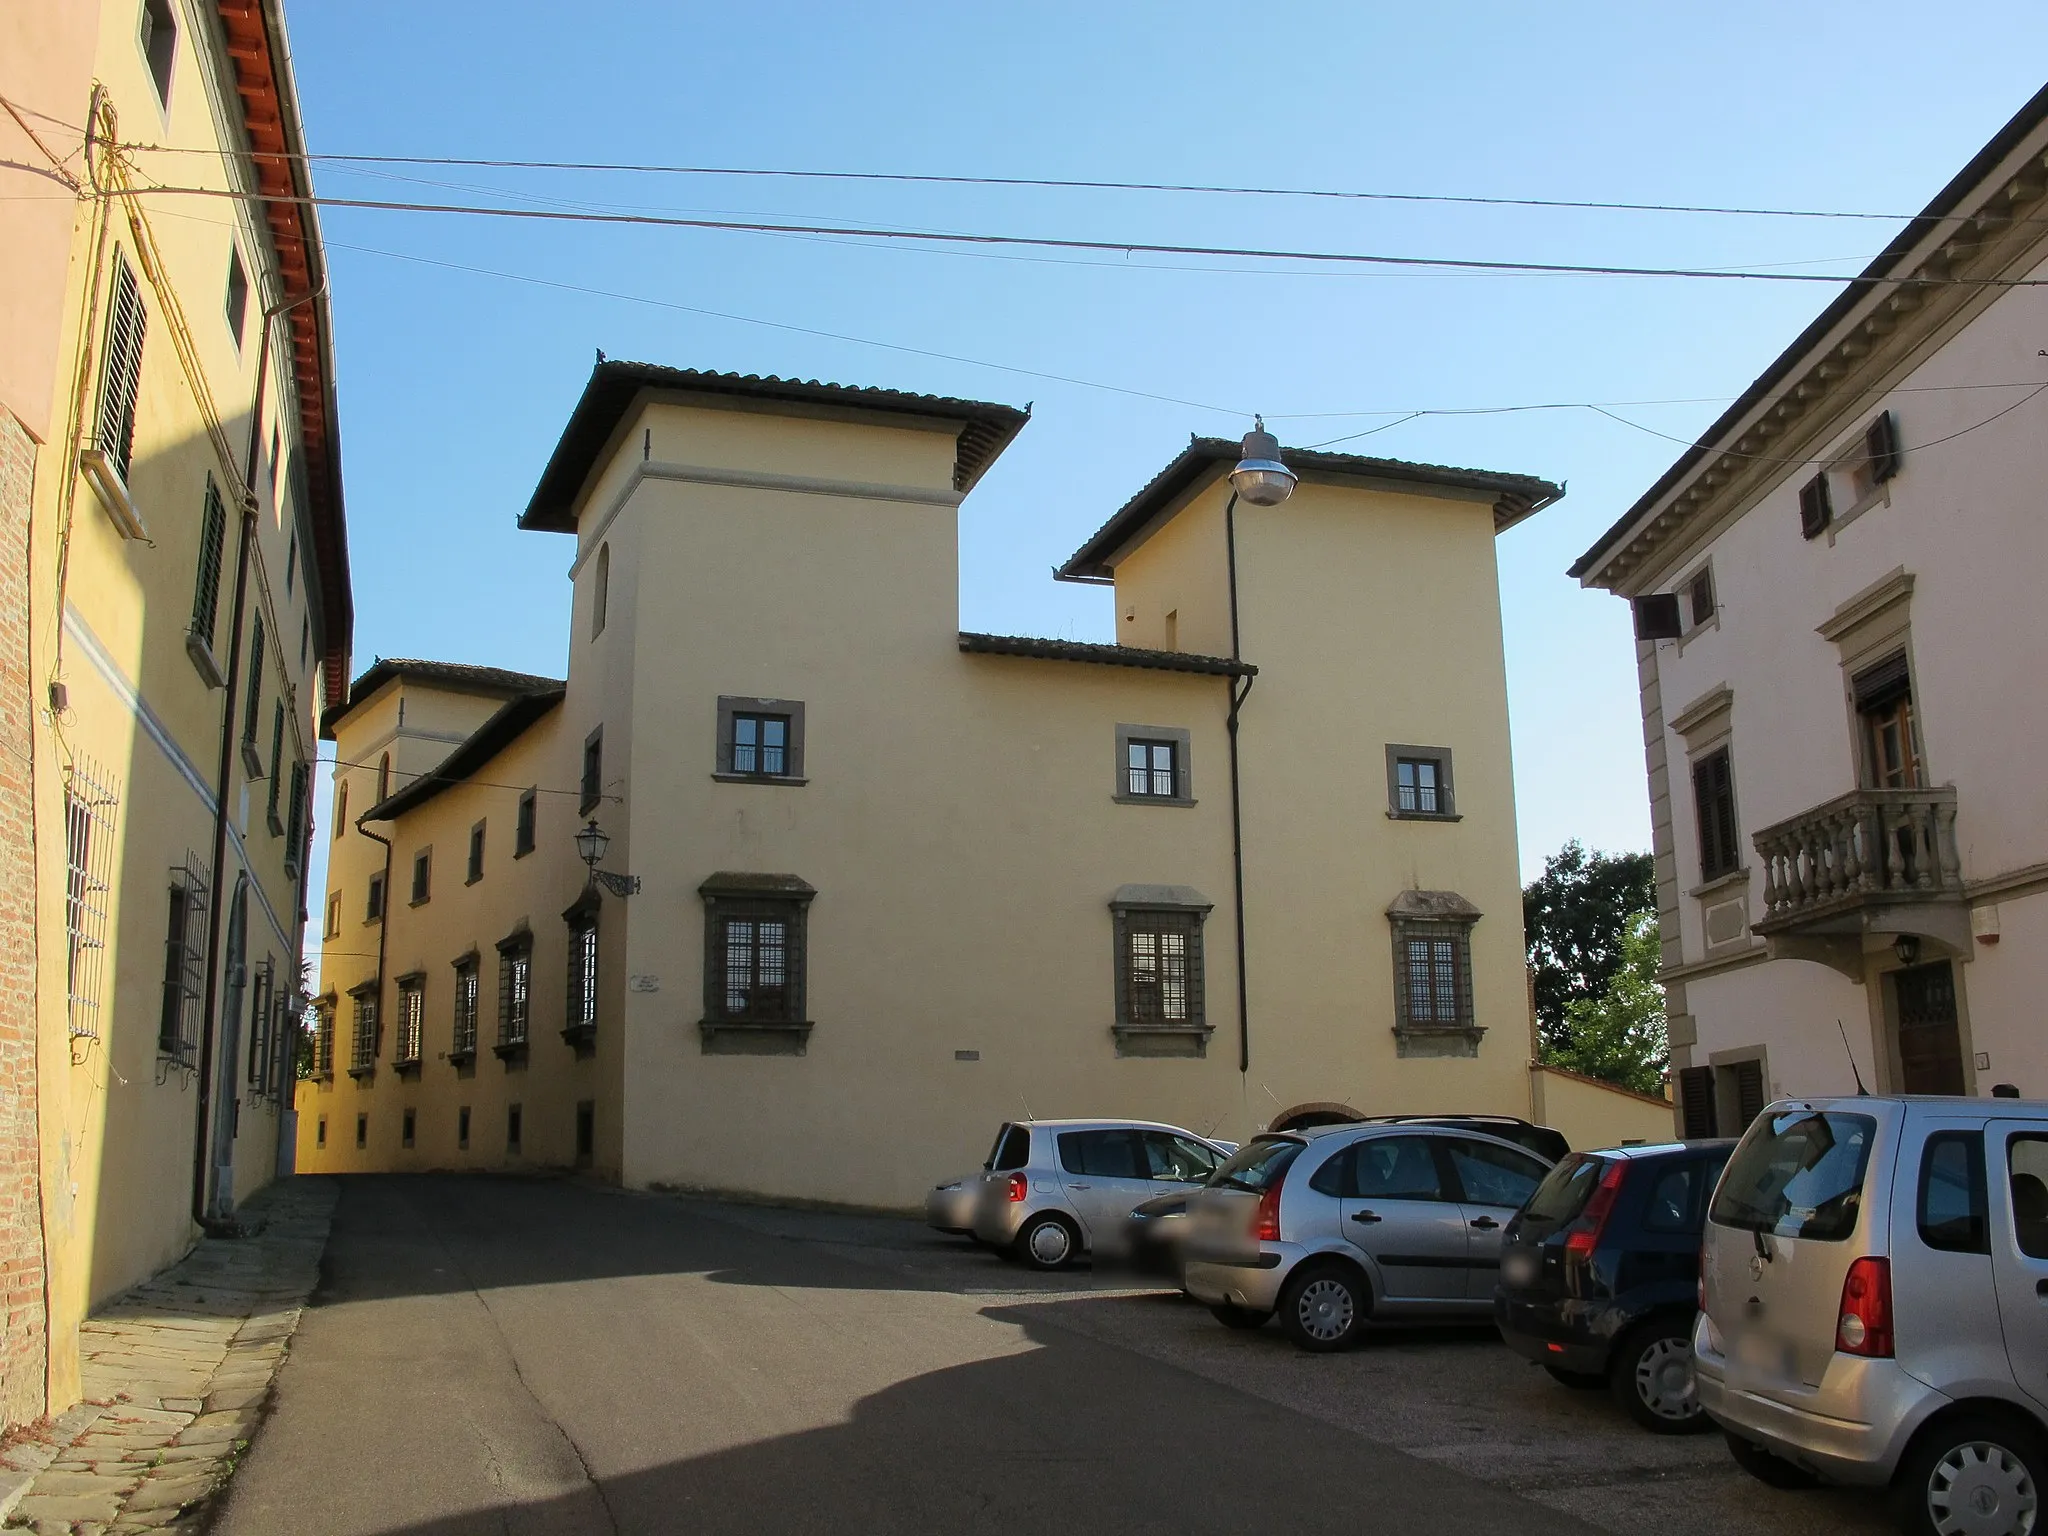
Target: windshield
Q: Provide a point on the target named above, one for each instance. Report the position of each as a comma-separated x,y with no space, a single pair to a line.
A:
1565,1190
1258,1164
1797,1174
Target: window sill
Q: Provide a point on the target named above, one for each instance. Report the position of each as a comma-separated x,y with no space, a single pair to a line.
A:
582,1039
509,1051
1154,800
1720,883
520,853
112,492
760,778
407,1068
321,1077
362,1074
473,880
419,901
1162,1039
727,1037
200,649
1424,816
1437,1040
461,1058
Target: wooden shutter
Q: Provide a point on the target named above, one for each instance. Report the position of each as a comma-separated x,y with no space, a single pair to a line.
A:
1696,1115
1816,507
122,377
1749,1091
255,683
295,828
276,756
1713,787
1657,616
1881,444
206,588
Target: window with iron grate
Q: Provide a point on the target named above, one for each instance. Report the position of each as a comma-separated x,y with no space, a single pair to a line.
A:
412,1016
363,1048
515,985
91,800
463,1046
582,1013
184,981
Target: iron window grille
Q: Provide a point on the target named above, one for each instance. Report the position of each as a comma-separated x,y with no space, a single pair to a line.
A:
412,1017
276,769
213,532
1417,786
1159,970
1152,768
515,994
92,798
466,980
581,1024
262,988
523,828
363,1048
1434,1011
754,963
1713,788
121,377
177,1036
760,740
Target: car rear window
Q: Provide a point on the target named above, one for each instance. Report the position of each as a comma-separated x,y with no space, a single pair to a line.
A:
1798,1173
1258,1164
1012,1149
1566,1189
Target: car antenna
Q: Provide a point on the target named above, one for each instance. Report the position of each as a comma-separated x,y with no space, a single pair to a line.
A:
1861,1091
1027,1105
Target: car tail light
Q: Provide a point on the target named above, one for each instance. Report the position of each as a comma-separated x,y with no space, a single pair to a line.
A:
1266,1224
1017,1188
1584,1235
1865,1326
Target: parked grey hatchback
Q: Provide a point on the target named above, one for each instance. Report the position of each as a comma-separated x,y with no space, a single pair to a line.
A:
1874,1304
1334,1226
1055,1189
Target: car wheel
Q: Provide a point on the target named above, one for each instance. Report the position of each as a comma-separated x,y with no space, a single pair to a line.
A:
1977,1475
1653,1379
1239,1317
1774,1471
1583,1381
1324,1307
1048,1242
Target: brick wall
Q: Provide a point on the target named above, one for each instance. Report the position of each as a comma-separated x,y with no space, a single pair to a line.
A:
23,1344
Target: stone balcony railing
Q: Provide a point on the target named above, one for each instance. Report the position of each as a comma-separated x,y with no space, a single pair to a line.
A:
1866,848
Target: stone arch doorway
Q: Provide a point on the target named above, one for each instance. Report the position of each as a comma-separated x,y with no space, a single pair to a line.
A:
1323,1112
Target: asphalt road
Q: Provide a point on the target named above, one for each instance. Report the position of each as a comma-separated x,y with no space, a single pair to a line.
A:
540,1358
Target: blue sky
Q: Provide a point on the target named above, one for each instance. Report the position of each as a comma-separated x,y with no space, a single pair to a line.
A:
454,383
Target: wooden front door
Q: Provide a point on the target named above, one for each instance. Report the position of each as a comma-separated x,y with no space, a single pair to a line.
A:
1930,1042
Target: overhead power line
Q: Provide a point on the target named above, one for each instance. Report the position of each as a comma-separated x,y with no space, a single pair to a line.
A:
620,167
1051,242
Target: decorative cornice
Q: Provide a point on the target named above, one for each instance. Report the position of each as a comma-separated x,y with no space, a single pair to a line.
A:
1717,700
1873,600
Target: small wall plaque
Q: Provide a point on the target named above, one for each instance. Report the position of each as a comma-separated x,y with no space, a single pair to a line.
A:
644,983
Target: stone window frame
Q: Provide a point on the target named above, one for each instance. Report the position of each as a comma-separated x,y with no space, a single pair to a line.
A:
515,1024
1447,783
1706,728
479,834
1418,914
1159,909
591,780
581,919
1182,742
792,710
1690,627
1853,464
732,895
468,967
1871,627
412,996
422,876
526,824
365,1030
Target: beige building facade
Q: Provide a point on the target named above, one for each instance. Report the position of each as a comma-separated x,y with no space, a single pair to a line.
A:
876,884
183,577
1837,648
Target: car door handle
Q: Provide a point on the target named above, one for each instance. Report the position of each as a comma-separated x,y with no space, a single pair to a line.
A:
1367,1217
1072,1185
1486,1223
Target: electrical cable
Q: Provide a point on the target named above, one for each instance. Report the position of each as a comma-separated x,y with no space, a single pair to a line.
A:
1051,242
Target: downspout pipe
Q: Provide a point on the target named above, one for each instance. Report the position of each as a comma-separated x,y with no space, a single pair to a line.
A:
223,778
1240,690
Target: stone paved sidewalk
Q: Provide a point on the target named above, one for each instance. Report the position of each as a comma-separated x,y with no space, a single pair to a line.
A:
176,1372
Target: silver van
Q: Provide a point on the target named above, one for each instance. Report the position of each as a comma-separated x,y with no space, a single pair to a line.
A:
1874,1304
1331,1226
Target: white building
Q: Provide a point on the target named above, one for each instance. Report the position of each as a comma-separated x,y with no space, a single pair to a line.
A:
1839,643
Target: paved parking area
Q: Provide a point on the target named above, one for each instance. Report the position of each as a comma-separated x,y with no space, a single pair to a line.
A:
547,1356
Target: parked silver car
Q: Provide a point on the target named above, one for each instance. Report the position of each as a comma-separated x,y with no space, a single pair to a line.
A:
1331,1226
1055,1189
1874,1304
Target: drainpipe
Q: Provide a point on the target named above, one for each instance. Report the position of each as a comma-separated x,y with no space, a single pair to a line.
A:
208,1023
1238,694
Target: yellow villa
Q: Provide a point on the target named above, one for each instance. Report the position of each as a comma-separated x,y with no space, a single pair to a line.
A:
176,569
866,885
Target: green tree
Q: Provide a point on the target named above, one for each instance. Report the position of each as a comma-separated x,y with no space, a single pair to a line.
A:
1576,914
1619,1036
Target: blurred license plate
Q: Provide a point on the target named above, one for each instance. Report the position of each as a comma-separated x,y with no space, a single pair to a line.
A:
1518,1266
